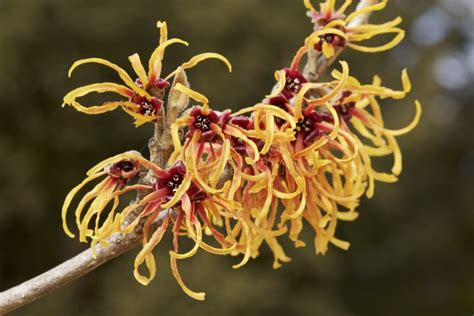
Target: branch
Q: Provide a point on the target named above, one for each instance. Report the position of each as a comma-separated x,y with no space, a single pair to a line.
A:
160,149
66,272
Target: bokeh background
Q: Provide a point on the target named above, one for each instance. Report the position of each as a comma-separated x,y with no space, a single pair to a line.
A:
412,247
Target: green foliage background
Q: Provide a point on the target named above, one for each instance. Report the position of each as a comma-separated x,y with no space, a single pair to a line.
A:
412,248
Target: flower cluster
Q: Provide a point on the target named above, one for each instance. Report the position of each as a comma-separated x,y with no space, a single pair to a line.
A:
238,180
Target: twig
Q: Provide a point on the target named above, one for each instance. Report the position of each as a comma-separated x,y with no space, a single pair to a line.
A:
160,149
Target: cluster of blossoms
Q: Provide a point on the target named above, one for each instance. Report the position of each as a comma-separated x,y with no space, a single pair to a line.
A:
236,181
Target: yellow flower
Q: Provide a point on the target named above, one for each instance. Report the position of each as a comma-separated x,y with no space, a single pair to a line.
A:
144,95
333,29
177,199
359,108
117,170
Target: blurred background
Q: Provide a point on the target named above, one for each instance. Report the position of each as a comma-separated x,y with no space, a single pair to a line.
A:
412,247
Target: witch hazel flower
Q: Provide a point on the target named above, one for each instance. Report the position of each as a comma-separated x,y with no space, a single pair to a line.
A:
91,222
359,107
333,29
145,94
305,161
209,144
180,205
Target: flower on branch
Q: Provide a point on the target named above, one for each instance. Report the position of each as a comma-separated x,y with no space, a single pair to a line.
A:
118,172
333,29
145,94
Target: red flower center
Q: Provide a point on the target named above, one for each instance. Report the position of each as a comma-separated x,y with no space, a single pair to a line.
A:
307,127
174,182
203,122
294,82
332,39
146,107
124,169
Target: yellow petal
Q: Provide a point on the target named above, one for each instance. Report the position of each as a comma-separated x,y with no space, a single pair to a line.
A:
328,50
70,196
343,8
406,129
139,69
199,58
146,255
154,64
280,76
122,73
400,34
192,94
200,296
70,98
163,31
309,5
344,245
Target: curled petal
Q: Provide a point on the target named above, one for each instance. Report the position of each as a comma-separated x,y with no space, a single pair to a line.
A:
397,132
276,111
248,248
280,77
70,98
197,244
218,251
193,94
70,196
270,127
146,255
199,58
400,35
154,64
122,73
324,99
369,27
200,296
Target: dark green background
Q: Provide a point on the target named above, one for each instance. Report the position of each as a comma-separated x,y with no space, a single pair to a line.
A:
412,248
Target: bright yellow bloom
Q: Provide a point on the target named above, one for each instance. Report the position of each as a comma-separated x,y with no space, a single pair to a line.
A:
333,29
103,198
359,107
177,199
145,94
